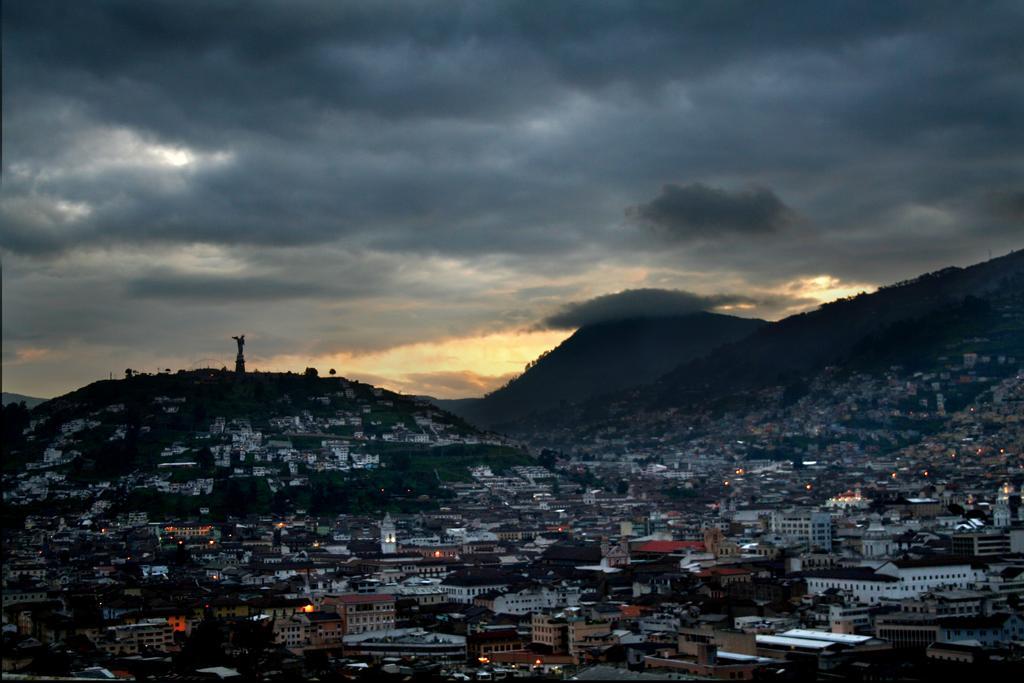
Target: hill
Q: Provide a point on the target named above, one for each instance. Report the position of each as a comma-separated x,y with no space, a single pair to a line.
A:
602,358
29,401
173,443
802,343
918,324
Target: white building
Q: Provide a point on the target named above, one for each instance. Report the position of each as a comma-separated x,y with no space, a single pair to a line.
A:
388,538
877,541
804,526
535,599
895,579
464,586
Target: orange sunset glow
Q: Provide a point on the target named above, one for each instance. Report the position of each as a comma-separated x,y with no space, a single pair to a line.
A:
451,368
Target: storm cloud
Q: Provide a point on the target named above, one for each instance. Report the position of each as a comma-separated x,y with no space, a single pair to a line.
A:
637,303
698,211
1010,205
360,175
195,289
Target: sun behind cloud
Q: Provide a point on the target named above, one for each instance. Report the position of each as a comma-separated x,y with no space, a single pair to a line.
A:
458,367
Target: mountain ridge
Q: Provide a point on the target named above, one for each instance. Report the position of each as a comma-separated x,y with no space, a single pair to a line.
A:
867,330
812,339
29,401
600,358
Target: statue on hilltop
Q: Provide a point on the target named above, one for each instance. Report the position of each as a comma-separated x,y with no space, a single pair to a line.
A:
240,358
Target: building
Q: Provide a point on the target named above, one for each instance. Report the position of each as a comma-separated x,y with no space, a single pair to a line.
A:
981,543
550,631
363,612
861,583
292,632
956,603
877,542
568,634
849,618
187,531
967,652
326,629
907,631
131,639
388,538
895,579
530,599
485,644
407,642
806,526
710,663
827,649
584,634
713,653
989,631
464,586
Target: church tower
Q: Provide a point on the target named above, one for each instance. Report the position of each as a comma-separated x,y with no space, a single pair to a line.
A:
1002,515
388,541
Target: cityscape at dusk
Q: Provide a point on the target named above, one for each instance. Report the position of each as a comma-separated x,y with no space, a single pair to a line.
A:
572,340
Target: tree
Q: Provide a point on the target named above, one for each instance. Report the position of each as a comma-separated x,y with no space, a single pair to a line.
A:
253,638
199,414
281,503
794,392
311,372
236,503
547,459
401,461
15,420
333,372
316,661
204,646
54,662
204,458
182,556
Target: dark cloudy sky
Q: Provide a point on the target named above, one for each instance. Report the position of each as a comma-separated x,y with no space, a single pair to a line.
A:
429,194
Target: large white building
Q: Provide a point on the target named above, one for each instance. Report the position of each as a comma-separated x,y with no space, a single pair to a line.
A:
535,599
804,526
464,586
896,579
